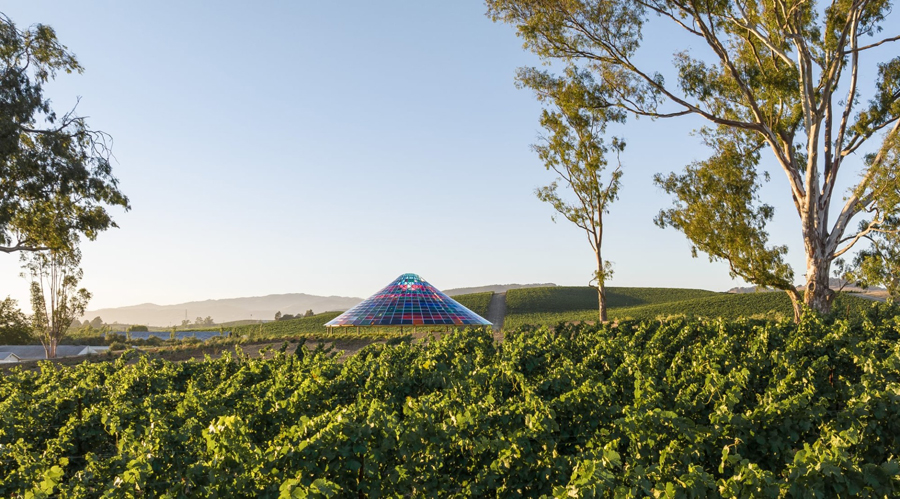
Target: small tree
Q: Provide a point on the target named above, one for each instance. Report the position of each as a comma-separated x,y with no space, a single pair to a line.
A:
278,315
576,152
97,322
879,265
87,331
55,298
14,327
309,313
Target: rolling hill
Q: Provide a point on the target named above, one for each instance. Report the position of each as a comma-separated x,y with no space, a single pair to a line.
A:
494,288
225,310
550,306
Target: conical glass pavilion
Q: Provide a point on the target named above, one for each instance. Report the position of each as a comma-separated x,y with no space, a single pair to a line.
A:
408,301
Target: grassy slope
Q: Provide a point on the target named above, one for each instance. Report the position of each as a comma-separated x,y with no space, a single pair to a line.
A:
548,306
568,298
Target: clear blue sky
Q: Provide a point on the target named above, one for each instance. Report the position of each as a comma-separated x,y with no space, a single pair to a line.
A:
327,147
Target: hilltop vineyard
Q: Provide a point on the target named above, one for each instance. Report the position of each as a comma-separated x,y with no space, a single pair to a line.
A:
549,306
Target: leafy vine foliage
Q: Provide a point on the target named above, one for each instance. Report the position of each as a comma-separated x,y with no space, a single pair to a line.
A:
677,408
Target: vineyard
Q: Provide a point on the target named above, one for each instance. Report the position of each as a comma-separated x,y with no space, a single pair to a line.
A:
291,327
476,302
550,306
674,408
568,298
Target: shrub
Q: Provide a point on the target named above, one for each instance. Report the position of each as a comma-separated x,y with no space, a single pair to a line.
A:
117,346
674,408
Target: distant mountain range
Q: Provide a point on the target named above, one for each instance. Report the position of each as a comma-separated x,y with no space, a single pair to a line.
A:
256,307
225,310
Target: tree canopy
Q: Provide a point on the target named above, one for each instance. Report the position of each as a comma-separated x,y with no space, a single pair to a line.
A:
56,180
14,327
879,264
781,76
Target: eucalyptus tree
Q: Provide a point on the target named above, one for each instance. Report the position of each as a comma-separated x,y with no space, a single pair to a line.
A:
576,119
56,300
879,264
780,77
56,180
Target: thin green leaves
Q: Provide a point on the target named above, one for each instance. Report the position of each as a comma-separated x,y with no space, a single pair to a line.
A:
717,208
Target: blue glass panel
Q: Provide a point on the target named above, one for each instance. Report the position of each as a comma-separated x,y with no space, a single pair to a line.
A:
409,300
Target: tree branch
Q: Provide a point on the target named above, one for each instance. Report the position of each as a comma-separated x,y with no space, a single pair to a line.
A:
786,161
853,240
768,43
664,12
621,59
22,246
848,107
858,140
873,45
855,203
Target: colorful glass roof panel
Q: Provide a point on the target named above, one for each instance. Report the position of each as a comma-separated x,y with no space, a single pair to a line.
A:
409,301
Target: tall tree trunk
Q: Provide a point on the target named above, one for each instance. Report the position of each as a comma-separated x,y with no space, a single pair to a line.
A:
601,288
819,294
601,298
49,348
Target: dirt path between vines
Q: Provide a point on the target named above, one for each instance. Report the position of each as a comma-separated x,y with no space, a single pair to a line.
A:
874,296
496,312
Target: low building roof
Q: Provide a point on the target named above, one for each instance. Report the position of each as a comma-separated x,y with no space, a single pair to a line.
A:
7,357
36,352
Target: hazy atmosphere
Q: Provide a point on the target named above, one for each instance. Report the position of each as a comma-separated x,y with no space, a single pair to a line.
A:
326,148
